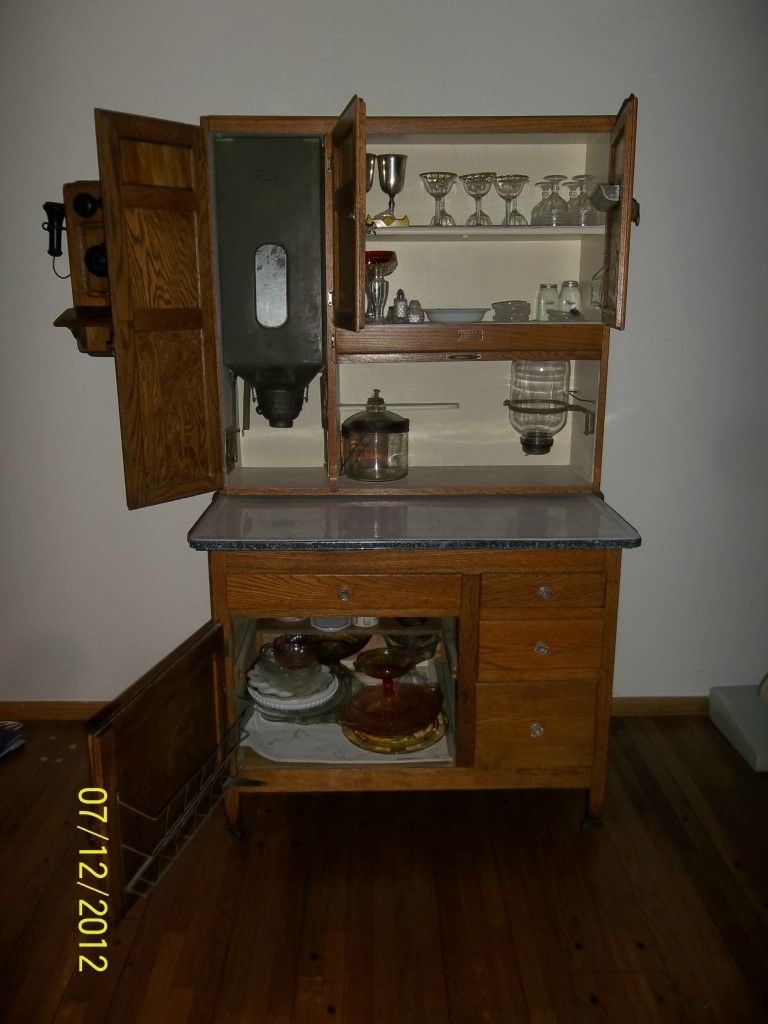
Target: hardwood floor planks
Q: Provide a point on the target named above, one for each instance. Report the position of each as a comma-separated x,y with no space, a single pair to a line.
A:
415,908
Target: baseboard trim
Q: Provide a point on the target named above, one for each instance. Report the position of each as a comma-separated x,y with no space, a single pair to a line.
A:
49,710
624,707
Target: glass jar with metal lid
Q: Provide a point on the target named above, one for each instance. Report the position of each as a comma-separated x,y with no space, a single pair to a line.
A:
375,442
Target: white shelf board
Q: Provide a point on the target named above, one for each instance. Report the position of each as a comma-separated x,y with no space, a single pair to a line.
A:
424,233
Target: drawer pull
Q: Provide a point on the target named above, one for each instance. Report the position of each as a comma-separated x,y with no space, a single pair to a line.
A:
537,729
541,648
545,593
344,594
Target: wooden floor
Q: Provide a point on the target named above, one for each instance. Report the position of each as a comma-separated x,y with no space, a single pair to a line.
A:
413,908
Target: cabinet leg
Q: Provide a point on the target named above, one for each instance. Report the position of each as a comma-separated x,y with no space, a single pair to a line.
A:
233,813
593,813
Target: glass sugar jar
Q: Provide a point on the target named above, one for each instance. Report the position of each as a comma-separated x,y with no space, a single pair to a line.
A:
375,442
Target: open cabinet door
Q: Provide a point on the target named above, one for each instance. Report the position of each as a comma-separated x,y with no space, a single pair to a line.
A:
160,753
348,138
157,227
619,219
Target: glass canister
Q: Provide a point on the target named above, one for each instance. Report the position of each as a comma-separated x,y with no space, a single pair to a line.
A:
546,300
570,297
375,442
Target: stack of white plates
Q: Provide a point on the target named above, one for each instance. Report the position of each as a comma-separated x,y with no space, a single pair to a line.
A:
274,688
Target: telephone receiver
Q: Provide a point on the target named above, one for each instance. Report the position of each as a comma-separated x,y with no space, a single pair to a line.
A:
54,226
85,205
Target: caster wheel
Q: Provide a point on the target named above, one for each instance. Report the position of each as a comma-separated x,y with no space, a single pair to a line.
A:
237,831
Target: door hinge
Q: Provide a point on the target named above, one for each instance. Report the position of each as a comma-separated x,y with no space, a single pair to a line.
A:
329,162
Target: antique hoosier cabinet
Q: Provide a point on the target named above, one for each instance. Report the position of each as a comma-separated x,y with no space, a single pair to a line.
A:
228,262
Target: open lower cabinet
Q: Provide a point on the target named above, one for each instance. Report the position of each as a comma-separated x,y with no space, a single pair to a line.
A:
518,645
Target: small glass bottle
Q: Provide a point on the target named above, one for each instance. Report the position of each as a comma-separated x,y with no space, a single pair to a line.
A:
570,297
546,300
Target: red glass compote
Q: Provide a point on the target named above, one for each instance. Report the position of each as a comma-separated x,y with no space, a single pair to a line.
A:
395,708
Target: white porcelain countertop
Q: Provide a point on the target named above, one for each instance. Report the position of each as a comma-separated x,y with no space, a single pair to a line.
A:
274,523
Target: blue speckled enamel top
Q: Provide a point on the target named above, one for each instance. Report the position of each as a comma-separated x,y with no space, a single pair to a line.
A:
279,523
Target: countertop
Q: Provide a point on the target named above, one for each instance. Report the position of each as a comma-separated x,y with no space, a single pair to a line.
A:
502,522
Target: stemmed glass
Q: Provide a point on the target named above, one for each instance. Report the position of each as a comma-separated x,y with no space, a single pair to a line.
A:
391,179
539,213
583,212
509,187
574,188
438,184
557,209
478,185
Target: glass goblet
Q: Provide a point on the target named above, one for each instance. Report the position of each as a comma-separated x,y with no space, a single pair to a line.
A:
584,213
509,187
557,210
478,185
539,213
574,188
438,184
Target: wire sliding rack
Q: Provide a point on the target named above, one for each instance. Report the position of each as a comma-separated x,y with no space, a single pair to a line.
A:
151,842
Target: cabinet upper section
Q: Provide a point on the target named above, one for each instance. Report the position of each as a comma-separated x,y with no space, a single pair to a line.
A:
157,307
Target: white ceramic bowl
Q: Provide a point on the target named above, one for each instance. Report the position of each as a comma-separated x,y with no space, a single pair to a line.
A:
456,316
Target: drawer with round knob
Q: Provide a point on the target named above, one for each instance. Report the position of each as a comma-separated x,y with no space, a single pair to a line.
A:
547,726
252,593
513,648
510,591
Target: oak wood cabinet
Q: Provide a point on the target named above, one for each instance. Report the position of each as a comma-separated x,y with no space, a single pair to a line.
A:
528,630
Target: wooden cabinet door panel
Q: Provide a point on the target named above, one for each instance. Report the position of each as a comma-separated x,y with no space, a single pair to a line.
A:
619,220
512,591
509,649
144,749
156,220
536,725
296,594
349,179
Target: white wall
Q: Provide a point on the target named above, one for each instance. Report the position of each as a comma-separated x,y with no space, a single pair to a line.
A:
93,594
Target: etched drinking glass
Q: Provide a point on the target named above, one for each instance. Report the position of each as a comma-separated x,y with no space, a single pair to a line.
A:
557,209
584,213
478,185
438,184
509,187
538,213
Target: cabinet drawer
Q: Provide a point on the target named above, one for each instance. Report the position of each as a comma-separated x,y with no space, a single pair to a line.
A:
536,725
252,593
513,590
510,648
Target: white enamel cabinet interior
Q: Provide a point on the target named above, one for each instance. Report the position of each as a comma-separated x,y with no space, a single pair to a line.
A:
473,267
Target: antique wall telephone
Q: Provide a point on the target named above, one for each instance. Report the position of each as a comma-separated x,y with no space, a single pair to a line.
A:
84,205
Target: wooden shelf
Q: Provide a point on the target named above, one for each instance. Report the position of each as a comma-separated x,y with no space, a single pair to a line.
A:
424,233
91,327
485,340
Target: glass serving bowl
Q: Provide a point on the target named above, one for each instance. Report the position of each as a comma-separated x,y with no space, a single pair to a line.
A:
331,649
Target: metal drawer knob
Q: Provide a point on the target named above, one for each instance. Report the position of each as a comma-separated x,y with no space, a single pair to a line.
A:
545,593
344,594
541,647
537,729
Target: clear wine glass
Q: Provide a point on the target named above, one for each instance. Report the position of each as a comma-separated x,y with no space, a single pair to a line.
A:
557,210
574,188
584,213
438,184
538,213
509,187
478,185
